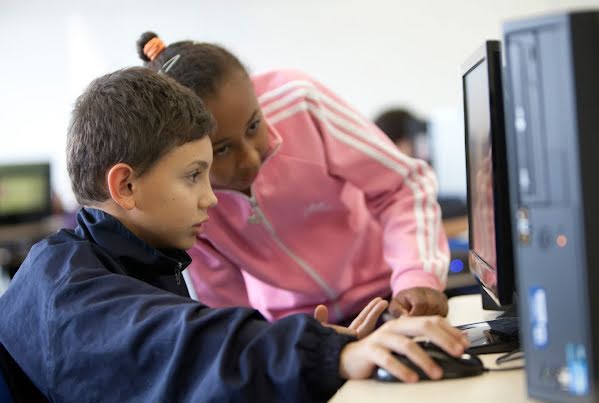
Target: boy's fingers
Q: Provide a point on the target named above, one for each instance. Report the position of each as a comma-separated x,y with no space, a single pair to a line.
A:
342,329
383,358
454,346
454,335
377,311
414,353
416,326
457,333
321,314
434,328
367,326
364,313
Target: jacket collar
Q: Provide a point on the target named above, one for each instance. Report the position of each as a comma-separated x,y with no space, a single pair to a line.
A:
274,139
135,256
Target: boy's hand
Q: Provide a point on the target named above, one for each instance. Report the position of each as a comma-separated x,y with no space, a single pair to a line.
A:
364,323
358,359
419,301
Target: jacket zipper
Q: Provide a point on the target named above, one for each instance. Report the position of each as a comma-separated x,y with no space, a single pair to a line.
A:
178,273
258,216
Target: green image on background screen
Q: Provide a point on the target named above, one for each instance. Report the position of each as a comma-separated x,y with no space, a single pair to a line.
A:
22,194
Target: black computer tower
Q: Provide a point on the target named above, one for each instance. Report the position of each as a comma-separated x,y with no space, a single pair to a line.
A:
551,97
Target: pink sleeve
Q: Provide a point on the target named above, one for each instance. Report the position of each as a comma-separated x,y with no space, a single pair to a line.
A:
216,280
401,192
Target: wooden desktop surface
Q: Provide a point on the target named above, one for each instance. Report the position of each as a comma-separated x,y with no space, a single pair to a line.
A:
491,387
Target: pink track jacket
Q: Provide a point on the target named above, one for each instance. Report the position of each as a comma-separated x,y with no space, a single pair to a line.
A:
337,215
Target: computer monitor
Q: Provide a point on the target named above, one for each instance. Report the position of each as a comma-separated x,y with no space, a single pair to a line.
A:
24,193
490,246
490,255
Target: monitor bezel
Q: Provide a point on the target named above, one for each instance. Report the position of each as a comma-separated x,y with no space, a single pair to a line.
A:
25,217
490,51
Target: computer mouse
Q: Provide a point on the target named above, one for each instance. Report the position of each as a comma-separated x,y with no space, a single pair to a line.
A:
453,367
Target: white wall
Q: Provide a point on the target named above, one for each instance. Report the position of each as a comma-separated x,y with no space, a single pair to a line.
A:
375,53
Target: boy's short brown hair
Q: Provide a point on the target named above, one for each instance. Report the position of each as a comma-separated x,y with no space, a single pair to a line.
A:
134,116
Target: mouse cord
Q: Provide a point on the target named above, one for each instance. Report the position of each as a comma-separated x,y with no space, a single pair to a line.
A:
511,356
507,357
503,369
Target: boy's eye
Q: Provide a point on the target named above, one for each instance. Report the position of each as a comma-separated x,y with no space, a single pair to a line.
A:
222,150
194,176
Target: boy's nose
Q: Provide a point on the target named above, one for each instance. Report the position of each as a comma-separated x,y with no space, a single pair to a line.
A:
209,200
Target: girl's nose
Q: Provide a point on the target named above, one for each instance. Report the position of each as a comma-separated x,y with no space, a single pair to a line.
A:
251,157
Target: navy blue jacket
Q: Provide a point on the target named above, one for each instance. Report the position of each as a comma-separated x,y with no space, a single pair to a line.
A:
96,314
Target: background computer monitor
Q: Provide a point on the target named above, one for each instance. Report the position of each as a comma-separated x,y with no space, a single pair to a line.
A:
490,255
25,193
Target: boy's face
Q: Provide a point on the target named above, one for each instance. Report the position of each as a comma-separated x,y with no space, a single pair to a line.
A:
241,141
173,196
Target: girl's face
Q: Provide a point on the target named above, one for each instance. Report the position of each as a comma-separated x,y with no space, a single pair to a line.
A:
241,141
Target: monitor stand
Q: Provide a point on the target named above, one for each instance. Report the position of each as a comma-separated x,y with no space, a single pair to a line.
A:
494,336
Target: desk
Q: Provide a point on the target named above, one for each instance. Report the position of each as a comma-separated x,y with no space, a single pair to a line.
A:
491,387
17,239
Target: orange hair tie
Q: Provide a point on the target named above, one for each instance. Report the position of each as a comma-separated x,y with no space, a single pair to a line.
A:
154,47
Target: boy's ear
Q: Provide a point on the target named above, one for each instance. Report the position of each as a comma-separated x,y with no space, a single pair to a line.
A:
120,185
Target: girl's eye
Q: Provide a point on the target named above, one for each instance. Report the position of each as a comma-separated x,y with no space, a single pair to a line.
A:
222,150
253,127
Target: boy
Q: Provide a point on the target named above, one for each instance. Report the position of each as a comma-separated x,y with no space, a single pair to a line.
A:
100,305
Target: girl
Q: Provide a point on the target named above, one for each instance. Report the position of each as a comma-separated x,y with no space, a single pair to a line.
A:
100,303
316,206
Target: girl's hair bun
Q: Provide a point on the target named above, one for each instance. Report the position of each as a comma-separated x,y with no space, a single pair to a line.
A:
141,43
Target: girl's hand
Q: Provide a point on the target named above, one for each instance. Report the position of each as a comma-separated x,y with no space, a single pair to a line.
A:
419,301
364,323
359,359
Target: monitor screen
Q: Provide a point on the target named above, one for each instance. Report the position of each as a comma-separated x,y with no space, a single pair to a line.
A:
24,192
490,257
